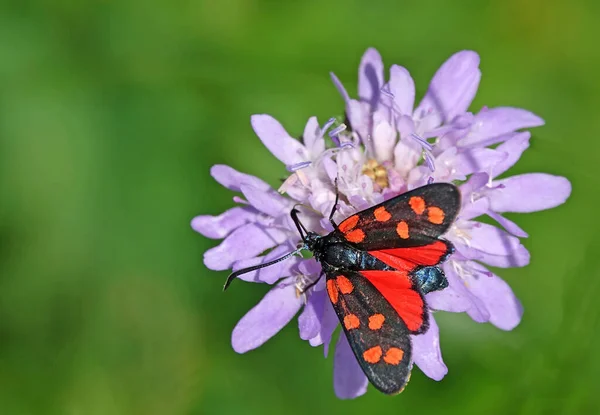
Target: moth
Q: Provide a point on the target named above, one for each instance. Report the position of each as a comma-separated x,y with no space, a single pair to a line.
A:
379,263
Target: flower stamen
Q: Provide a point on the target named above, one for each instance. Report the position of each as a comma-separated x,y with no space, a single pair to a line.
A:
426,148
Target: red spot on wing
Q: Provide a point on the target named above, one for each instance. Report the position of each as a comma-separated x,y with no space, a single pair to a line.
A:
405,259
397,288
332,291
435,215
393,356
382,215
373,355
376,321
344,284
348,224
351,322
417,204
402,230
356,236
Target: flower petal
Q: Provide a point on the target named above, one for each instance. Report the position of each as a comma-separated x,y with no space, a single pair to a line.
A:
406,155
270,315
232,179
529,193
267,201
277,140
452,89
246,241
218,227
370,77
474,209
312,131
309,321
507,224
492,240
519,258
359,116
475,182
402,88
313,139
329,322
476,160
349,381
384,137
270,274
504,307
514,148
456,298
426,352
498,121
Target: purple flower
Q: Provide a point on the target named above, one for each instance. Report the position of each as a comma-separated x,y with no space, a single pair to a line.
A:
389,147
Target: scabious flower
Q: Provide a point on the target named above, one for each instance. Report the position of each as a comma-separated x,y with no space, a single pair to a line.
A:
388,147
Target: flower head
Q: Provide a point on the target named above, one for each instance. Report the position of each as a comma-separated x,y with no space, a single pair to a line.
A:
388,147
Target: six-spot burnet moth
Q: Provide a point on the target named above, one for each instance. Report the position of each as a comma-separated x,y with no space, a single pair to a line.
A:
379,264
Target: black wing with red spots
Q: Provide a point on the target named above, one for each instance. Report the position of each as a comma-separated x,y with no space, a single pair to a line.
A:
414,218
377,330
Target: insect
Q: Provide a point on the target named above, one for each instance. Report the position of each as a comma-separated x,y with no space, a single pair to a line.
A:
379,264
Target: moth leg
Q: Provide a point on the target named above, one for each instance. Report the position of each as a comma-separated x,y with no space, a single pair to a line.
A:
303,290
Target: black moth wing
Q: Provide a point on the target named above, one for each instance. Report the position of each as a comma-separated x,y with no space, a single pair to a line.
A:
383,351
423,222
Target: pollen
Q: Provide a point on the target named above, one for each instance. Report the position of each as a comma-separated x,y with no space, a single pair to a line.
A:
435,215
402,230
382,215
373,355
376,172
356,236
332,291
393,356
417,204
344,284
376,321
351,322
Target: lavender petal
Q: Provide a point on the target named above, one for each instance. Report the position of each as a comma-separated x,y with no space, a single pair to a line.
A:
456,298
477,160
370,77
312,137
329,322
492,240
309,321
427,354
402,88
452,89
245,242
232,179
507,224
504,307
513,148
269,202
277,140
218,227
529,193
270,315
498,121
349,381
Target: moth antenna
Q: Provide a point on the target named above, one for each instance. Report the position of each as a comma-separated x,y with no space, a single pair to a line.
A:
337,199
242,271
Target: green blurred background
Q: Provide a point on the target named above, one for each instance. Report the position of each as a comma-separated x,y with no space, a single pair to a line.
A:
111,114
